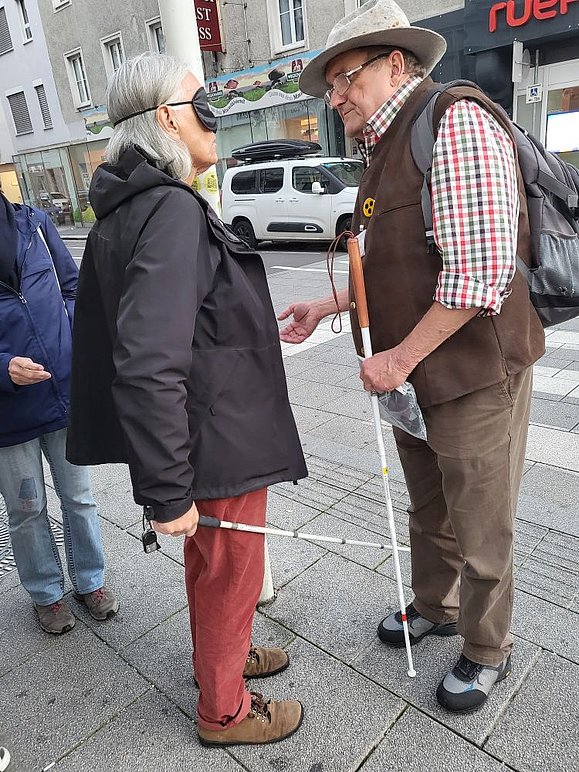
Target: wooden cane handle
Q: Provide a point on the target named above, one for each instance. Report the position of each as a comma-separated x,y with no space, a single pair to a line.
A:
357,277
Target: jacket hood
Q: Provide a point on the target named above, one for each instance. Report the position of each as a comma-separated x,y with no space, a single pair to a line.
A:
135,172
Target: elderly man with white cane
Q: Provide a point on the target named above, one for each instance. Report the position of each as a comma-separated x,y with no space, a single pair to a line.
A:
452,316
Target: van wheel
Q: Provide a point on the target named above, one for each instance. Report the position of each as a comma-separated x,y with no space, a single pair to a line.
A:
344,224
243,229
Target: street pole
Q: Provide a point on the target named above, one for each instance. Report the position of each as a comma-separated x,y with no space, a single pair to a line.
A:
179,22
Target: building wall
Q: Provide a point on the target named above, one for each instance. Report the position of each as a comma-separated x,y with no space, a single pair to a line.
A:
82,24
20,68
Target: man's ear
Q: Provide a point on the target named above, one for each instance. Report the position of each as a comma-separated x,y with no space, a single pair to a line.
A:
166,119
397,67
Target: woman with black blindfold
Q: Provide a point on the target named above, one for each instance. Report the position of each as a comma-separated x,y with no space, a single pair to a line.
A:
189,387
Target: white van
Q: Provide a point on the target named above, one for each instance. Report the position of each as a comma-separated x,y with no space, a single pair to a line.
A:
298,198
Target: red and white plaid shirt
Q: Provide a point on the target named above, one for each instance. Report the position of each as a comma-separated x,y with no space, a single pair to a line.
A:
475,202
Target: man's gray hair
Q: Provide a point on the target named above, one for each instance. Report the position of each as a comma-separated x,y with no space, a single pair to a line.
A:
148,80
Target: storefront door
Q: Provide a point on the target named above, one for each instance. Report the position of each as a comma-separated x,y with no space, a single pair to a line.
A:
555,119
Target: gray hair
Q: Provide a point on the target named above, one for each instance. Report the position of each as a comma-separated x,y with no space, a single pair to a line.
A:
148,80
411,62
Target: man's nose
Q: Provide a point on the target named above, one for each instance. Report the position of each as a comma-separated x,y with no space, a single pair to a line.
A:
337,99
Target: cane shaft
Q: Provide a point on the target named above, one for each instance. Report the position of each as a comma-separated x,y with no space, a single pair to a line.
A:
357,278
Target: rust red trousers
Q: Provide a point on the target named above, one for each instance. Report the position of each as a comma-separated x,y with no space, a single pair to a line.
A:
224,577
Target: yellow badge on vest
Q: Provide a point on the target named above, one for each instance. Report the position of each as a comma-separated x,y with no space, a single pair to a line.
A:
368,207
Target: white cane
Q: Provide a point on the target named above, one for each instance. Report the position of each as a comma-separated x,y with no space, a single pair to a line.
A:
357,279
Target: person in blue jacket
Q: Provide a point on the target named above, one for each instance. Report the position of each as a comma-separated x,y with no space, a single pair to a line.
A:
38,280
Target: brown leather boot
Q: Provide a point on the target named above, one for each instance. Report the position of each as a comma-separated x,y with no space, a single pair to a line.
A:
268,721
262,662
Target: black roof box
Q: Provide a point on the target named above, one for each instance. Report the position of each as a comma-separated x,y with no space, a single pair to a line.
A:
275,148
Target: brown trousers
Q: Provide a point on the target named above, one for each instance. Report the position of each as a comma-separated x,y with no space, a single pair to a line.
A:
464,484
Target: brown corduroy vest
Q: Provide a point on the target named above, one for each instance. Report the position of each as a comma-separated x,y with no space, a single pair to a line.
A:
401,274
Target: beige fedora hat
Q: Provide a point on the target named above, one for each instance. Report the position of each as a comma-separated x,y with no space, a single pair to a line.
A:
375,23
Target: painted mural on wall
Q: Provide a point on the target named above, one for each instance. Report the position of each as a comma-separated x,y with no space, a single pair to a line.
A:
258,87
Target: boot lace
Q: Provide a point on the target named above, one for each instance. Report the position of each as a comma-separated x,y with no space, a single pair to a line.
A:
466,669
253,657
259,707
56,607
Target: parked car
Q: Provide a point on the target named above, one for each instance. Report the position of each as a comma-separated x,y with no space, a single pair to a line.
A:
281,191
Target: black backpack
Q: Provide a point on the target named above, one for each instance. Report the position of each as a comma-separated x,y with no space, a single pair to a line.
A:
552,188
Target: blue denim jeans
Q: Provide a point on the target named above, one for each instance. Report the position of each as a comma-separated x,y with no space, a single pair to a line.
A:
35,551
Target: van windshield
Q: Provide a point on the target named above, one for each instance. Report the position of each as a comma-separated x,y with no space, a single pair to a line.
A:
348,172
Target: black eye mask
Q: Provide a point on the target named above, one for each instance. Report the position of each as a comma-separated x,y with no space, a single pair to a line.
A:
199,103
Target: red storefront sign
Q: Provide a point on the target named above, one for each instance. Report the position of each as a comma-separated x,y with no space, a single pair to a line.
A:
538,10
208,25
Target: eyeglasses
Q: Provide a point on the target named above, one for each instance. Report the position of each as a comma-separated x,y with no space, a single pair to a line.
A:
343,80
199,103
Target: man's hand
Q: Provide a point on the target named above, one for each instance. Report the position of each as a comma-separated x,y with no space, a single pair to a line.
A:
384,371
186,525
306,317
24,372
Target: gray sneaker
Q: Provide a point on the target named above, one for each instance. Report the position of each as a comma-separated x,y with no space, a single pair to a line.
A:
100,603
391,631
56,618
468,684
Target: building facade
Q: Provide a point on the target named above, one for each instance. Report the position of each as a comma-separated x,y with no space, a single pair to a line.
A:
61,53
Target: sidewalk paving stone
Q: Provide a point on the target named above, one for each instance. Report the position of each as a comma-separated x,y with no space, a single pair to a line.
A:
117,505
369,557
549,498
333,374
312,493
551,627
307,418
288,513
323,605
345,715
163,657
20,634
417,741
291,557
149,588
349,431
540,728
336,474
553,414
150,734
371,515
553,447
61,695
433,658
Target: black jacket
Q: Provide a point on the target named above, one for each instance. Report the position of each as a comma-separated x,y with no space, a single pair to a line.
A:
177,366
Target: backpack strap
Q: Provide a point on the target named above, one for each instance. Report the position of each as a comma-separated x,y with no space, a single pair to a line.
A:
422,139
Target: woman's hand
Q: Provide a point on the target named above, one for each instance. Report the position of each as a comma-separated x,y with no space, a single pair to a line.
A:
186,525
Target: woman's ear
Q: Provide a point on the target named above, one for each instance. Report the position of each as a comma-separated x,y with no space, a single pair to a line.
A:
166,119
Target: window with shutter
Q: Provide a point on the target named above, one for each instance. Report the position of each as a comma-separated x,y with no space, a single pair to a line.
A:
20,114
43,103
5,39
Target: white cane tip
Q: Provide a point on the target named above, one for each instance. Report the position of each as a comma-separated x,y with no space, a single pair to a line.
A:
412,673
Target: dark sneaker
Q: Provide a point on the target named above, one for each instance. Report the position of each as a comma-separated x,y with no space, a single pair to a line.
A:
56,618
268,721
391,631
468,684
262,662
100,603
